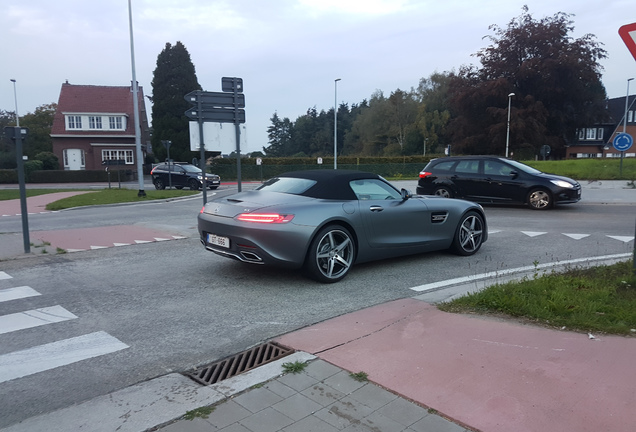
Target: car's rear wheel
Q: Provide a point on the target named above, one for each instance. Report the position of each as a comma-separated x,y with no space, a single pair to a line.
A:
159,185
539,199
444,192
331,254
469,235
193,184
179,187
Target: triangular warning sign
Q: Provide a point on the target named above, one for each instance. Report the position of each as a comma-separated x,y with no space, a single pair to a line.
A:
628,34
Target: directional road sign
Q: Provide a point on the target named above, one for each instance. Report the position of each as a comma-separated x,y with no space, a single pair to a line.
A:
219,115
215,99
628,34
623,142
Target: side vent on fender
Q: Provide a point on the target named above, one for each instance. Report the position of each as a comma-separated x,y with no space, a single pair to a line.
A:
439,217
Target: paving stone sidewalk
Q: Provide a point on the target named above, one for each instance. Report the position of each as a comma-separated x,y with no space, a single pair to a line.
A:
321,398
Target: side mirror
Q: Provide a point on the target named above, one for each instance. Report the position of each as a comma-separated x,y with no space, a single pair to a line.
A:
406,194
514,174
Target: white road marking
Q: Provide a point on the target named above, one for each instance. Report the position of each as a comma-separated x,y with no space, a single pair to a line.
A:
121,244
624,239
159,239
576,236
142,241
457,281
3,275
34,318
99,247
19,364
533,233
9,294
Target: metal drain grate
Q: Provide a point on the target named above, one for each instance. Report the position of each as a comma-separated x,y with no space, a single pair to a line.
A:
242,362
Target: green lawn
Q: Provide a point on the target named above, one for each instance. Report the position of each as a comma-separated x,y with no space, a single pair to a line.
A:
598,299
115,196
96,196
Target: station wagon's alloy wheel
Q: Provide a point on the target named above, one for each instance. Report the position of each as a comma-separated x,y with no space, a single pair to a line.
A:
159,184
539,199
469,235
443,192
331,254
193,184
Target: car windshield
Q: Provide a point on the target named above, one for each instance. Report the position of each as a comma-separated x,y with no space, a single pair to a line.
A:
290,185
523,167
191,168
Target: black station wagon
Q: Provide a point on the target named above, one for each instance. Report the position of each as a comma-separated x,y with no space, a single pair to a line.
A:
180,175
496,180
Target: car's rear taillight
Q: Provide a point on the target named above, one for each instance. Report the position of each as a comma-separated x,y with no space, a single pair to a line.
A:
273,218
424,174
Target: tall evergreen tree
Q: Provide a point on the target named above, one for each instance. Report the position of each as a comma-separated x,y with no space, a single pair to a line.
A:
279,137
173,78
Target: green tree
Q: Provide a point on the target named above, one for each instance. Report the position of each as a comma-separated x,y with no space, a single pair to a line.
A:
556,81
173,78
39,123
279,137
49,160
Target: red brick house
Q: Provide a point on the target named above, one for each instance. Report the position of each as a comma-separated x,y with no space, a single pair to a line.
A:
596,141
95,124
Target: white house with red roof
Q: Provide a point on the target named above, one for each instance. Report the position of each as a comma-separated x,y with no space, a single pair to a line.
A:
95,124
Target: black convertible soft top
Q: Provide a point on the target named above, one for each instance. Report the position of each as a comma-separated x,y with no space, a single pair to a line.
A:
330,183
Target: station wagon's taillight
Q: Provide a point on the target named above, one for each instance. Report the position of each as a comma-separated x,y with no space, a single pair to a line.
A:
273,218
424,174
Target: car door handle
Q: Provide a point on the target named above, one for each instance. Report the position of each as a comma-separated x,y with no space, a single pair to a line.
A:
376,208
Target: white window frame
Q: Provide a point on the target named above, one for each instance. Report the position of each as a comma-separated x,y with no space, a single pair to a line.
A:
74,122
118,154
590,134
630,116
581,134
116,122
94,122
599,134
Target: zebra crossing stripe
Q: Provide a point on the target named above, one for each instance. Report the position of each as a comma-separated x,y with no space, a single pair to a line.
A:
41,358
8,294
34,318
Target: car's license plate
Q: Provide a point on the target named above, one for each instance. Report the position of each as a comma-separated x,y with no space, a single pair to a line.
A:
218,240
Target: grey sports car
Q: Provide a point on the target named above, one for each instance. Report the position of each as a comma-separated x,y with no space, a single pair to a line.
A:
326,220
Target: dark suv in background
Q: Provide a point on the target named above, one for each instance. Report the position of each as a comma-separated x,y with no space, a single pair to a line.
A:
496,180
180,175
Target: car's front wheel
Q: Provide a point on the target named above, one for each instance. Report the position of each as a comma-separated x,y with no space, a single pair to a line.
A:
469,234
159,185
331,254
539,199
193,184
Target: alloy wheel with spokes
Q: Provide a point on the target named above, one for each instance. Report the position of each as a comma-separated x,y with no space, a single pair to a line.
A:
331,254
469,235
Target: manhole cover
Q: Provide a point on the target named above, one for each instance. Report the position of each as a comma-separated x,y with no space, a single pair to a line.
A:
239,363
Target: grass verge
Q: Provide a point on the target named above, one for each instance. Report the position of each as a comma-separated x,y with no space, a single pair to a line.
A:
9,194
115,196
598,299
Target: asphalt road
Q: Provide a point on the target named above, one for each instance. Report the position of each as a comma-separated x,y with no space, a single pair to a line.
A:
175,306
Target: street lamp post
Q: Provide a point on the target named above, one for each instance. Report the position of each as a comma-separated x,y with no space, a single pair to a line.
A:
15,96
508,127
335,124
21,179
626,106
135,90
625,123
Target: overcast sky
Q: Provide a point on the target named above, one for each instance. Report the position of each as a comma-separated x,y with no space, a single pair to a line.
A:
288,52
